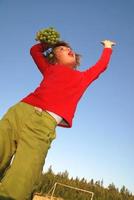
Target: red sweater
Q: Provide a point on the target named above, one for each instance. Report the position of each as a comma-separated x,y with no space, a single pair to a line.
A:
62,87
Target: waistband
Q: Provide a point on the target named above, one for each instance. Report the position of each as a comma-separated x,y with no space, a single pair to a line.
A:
40,111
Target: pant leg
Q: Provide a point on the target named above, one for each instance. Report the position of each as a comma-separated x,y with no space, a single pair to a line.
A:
35,137
7,140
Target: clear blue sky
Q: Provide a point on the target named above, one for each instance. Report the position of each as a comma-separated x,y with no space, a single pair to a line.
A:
100,145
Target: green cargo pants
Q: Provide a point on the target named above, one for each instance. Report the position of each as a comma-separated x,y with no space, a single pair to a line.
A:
26,133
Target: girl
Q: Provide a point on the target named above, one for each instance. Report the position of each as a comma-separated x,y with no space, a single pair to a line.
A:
28,128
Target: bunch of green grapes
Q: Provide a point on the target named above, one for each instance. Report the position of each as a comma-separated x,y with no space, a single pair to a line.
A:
48,35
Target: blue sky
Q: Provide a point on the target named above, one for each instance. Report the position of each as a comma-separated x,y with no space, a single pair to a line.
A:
100,145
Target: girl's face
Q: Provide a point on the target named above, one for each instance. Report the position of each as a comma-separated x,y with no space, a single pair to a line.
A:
64,55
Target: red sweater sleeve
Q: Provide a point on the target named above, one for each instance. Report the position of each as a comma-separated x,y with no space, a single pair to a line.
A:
93,72
36,52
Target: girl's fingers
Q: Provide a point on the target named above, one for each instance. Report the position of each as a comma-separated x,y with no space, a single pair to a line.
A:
102,42
108,41
113,43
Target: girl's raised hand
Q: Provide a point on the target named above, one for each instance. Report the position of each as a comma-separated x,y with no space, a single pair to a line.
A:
108,43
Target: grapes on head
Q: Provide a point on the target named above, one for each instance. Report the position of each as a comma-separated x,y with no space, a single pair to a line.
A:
48,35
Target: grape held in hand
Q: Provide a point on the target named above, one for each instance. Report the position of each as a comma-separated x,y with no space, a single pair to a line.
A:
48,35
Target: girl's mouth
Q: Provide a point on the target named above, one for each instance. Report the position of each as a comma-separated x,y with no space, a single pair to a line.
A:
71,53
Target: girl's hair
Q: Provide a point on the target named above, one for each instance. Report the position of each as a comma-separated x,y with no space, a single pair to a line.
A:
49,53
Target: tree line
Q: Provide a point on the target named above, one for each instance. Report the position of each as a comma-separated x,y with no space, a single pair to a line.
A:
49,178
